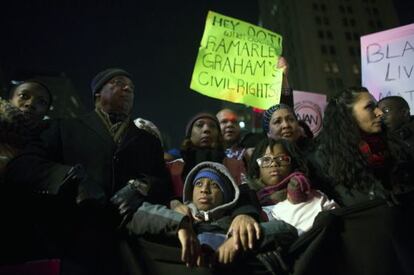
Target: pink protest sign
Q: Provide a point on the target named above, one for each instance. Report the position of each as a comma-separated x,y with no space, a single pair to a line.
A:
309,107
387,63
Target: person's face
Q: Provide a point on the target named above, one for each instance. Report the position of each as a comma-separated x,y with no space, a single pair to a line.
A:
393,115
117,95
367,114
32,99
230,128
278,166
207,194
283,124
204,133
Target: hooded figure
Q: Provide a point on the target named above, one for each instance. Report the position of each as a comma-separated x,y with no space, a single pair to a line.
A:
212,213
228,187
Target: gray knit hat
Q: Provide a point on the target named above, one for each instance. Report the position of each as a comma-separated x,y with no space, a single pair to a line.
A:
189,126
269,112
103,77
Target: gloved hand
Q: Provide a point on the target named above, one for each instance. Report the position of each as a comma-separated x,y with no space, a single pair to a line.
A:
76,187
70,183
129,198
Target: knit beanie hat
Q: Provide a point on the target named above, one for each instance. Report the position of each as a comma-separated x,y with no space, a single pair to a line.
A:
189,126
103,77
269,112
223,182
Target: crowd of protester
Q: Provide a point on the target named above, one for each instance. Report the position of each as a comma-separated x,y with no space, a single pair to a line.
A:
101,194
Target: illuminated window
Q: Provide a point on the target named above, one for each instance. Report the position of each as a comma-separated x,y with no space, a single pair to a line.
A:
326,67
335,68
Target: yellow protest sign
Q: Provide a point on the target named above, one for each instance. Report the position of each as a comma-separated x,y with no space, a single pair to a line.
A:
237,61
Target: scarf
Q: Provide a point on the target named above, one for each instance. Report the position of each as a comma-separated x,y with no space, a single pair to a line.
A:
373,149
296,185
116,124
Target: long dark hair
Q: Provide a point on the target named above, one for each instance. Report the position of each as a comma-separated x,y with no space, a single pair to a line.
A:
340,140
298,161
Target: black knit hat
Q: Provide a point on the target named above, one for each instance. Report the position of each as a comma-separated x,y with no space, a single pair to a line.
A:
189,126
103,77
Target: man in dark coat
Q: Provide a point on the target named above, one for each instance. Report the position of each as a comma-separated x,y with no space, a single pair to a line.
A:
397,121
87,160
399,127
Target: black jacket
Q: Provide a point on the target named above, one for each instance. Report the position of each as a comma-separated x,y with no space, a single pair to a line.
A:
84,235
86,141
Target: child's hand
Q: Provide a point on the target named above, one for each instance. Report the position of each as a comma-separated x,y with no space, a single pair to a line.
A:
244,231
190,246
227,252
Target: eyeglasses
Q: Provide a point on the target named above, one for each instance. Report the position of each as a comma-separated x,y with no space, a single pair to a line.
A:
266,161
122,84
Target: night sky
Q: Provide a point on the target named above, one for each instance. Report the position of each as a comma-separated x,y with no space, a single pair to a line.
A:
157,41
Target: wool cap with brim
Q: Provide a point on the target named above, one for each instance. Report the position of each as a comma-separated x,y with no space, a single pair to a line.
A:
103,77
267,116
190,123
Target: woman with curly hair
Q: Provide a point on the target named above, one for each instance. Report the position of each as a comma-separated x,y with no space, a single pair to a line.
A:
352,151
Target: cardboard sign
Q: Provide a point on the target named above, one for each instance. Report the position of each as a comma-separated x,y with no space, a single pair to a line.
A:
388,63
237,62
309,107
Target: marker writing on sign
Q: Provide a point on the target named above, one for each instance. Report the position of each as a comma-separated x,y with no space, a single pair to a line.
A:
225,23
375,53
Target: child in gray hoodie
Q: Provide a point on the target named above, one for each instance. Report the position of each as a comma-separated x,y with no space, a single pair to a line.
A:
210,193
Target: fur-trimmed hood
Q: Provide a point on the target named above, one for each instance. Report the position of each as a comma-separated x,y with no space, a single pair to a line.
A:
16,129
219,211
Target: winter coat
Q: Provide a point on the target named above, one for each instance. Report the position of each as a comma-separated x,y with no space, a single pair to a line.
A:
159,224
18,239
157,219
401,144
371,237
86,234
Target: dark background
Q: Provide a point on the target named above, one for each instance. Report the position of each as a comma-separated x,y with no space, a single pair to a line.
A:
157,41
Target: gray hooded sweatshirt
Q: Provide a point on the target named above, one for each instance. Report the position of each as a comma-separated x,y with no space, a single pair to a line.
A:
158,220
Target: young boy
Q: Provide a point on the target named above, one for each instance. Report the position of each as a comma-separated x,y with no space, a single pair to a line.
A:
210,193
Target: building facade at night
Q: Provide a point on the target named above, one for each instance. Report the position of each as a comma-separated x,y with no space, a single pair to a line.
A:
321,38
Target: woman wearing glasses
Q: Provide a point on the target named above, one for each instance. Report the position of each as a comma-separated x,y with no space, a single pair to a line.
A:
278,174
